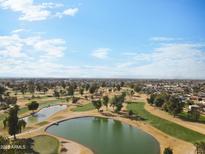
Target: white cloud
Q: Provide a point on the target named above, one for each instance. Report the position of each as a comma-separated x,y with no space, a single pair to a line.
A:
177,60
160,39
67,12
18,30
70,11
29,11
17,46
30,56
36,56
101,53
34,12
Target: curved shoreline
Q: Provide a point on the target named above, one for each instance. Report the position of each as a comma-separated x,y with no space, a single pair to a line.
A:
99,116
164,140
71,146
178,146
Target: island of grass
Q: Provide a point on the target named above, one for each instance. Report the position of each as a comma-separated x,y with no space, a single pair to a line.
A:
85,107
165,126
46,144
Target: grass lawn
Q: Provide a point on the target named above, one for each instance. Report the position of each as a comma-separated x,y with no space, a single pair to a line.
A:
42,123
85,107
166,126
46,144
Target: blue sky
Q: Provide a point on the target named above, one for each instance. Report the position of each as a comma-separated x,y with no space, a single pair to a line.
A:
93,38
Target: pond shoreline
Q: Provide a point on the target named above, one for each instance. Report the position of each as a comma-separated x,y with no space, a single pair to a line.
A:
29,114
178,146
137,130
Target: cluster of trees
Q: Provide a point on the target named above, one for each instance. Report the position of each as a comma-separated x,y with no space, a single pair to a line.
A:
99,102
170,103
70,90
5,99
173,105
117,102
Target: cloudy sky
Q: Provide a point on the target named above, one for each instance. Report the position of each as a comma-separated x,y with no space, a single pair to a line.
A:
102,38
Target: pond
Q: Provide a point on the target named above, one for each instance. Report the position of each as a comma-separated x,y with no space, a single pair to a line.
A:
44,113
106,136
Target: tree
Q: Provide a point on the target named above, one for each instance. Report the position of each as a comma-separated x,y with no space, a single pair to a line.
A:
137,88
200,147
75,100
105,101
93,88
70,90
33,106
122,83
67,99
56,94
159,101
168,150
10,100
31,87
175,105
132,92
118,87
21,125
81,91
151,99
117,102
97,104
2,90
45,90
13,121
23,89
87,86
130,113
118,107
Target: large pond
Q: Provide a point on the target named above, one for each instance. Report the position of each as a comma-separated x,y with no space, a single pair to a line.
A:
44,113
106,136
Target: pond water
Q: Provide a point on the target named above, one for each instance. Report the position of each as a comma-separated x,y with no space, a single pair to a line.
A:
44,113
106,136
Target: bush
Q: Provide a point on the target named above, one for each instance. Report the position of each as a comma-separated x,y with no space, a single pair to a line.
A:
168,150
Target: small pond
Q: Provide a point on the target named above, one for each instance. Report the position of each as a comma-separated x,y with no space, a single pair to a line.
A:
44,113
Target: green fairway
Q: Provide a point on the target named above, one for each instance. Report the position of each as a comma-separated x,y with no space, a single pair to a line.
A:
46,144
85,107
166,126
